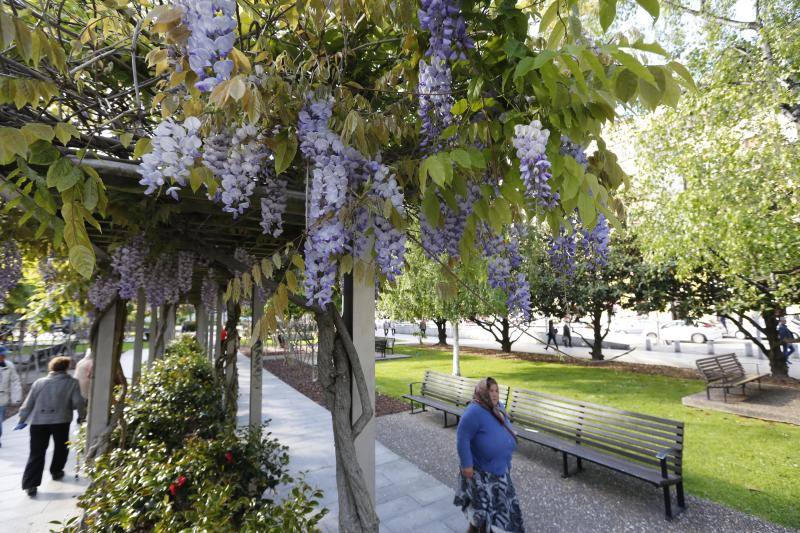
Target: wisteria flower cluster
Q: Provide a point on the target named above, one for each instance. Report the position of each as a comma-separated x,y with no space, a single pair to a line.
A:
103,291
129,262
273,206
174,150
574,150
47,270
448,42
576,246
186,261
160,287
531,141
562,250
504,263
212,24
445,238
338,172
595,243
10,267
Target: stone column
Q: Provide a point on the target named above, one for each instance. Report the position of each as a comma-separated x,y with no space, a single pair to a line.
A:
256,367
102,378
201,326
359,315
169,334
152,333
138,339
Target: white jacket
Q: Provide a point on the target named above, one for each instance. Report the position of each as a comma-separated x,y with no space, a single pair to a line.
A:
10,385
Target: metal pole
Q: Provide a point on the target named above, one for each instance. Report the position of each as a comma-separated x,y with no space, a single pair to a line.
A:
138,339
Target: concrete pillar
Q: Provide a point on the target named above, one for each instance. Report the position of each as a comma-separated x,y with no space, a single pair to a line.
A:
456,364
359,315
218,327
102,378
677,345
169,334
710,347
648,344
138,336
152,333
256,368
201,326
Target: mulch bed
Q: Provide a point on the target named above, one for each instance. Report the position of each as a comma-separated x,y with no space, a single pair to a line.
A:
299,376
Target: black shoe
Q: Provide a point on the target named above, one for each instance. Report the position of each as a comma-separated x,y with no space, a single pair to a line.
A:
58,475
31,491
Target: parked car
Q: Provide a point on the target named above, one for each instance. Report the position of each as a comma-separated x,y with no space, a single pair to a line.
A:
680,330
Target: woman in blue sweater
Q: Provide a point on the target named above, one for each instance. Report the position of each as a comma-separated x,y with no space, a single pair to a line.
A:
485,440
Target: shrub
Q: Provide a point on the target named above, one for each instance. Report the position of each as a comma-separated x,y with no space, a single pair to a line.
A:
181,469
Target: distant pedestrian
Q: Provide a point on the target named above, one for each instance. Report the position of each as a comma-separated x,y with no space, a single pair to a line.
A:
10,386
567,334
724,322
551,335
83,373
485,441
386,327
423,330
786,337
49,407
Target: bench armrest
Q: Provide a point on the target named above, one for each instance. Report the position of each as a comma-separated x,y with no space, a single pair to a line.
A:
662,457
411,387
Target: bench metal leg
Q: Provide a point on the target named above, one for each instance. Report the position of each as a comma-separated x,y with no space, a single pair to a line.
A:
565,473
444,413
708,393
679,493
580,464
667,503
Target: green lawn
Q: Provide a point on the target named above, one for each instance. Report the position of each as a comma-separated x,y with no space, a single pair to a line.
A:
751,465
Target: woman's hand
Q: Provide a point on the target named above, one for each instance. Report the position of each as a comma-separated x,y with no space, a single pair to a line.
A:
467,472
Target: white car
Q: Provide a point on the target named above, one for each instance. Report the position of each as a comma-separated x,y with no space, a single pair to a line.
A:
679,330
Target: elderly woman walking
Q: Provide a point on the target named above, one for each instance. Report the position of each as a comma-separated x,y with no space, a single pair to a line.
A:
485,440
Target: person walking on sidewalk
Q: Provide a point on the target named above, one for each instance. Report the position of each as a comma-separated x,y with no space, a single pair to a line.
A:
786,337
10,386
567,334
49,407
485,440
551,335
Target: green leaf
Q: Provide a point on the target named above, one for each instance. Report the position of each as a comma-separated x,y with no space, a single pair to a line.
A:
430,207
672,93
654,48
440,169
66,180
39,131
543,57
650,96
12,142
502,210
284,147
586,209
81,259
608,12
125,139
143,146
43,153
459,107
651,6
478,161
62,166
23,40
523,67
461,157
90,194
683,73
64,132
633,64
626,85
549,16
199,175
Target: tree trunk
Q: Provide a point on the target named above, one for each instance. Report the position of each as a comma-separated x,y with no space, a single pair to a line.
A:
777,361
505,335
356,510
441,327
597,330
225,365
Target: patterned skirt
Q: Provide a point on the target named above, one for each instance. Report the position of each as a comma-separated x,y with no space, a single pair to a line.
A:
490,500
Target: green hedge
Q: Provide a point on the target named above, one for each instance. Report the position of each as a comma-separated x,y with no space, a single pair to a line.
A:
180,468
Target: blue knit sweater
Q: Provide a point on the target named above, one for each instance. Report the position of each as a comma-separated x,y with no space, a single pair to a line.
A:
482,442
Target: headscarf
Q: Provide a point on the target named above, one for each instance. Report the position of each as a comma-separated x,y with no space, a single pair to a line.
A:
482,397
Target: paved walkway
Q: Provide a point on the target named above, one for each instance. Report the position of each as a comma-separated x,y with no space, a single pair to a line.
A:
752,365
408,499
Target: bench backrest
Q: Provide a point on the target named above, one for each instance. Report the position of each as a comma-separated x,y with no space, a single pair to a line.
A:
390,342
380,343
722,367
457,390
634,436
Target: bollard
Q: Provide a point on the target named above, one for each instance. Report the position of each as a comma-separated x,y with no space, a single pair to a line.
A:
748,349
648,345
710,345
677,346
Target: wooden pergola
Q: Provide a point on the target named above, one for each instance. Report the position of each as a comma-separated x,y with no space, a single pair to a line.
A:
194,223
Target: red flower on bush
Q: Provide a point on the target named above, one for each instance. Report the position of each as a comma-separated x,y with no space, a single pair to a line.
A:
178,483
229,457
173,488
181,480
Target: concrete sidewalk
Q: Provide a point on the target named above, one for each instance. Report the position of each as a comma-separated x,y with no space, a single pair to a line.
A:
752,365
408,499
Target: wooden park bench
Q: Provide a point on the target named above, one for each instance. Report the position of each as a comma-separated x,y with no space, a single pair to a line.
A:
725,372
641,446
446,393
384,345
